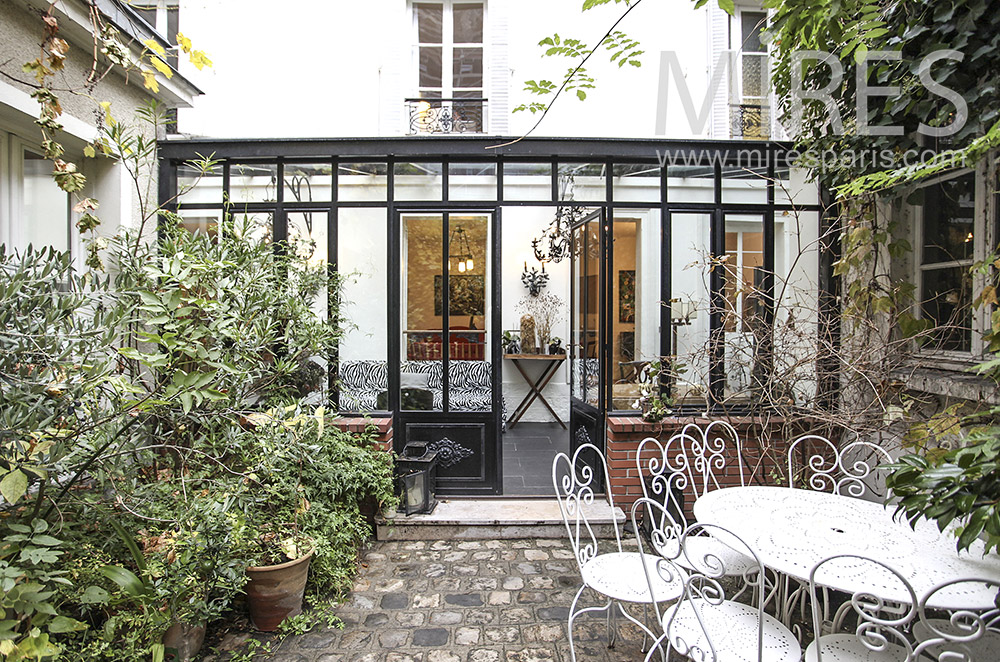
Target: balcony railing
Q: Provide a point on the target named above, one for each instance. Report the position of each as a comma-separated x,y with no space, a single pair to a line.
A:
446,115
751,121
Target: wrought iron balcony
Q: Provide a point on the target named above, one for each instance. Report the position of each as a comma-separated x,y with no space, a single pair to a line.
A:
751,121
446,115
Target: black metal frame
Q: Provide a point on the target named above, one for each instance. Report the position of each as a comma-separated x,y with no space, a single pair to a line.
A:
715,157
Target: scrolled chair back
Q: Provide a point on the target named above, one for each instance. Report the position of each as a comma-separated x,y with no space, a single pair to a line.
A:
852,470
664,478
882,624
577,481
697,457
690,629
960,634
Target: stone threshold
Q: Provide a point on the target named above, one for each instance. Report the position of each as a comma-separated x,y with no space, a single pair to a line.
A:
496,519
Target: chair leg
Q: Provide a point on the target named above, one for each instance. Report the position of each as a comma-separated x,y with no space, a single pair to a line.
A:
613,625
573,613
658,644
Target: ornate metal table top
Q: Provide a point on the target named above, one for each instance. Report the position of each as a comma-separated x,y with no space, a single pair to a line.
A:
793,529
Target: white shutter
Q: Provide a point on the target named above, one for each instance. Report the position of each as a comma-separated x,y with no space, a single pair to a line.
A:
394,68
718,43
498,84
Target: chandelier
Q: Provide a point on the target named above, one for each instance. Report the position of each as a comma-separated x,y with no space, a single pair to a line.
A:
555,243
460,250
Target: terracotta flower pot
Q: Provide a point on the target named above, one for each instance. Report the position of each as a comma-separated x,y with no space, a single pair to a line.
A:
182,641
275,592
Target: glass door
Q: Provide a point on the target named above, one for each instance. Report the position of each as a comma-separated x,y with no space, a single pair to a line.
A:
445,391
588,295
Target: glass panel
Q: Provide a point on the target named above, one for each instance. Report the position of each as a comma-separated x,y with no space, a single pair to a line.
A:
307,232
253,182
690,183
205,221
467,67
586,363
429,22
362,182
797,334
636,182
527,181
752,24
946,300
468,20
754,75
949,211
635,301
582,181
472,181
470,377
743,285
421,372
430,66
361,257
744,185
690,304
46,206
256,226
308,182
195,187
417,181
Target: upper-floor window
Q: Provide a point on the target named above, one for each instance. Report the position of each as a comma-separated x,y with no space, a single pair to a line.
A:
36,210
448,55
749,107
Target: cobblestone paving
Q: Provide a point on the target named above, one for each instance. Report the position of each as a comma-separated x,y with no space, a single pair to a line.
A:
464,601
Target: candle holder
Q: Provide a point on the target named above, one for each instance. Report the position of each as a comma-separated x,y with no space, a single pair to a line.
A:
534,279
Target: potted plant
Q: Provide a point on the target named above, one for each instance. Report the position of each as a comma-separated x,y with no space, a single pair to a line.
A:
510,342
555,346
655,405
276,580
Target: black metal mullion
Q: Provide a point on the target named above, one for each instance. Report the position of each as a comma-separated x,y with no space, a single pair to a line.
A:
666,284
445,313
717,298
496,358
394,276
333,270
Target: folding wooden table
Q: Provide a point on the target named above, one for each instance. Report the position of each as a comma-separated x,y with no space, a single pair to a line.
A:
551,363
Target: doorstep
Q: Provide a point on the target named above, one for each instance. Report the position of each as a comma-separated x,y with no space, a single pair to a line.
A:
495,519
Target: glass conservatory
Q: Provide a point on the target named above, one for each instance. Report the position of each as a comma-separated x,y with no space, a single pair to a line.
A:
490,282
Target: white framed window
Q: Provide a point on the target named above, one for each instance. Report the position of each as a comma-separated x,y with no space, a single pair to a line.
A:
35,211
749,94
955,221
449,74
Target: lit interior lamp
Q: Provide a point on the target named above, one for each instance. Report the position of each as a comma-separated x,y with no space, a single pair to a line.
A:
969,238
469,264
461,267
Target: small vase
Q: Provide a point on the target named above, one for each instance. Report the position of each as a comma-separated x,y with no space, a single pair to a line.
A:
275,592
182,641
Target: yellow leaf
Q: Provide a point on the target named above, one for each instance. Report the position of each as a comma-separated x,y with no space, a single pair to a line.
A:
161,66
89,151
184,42
149,80
106,105
200,60
155,46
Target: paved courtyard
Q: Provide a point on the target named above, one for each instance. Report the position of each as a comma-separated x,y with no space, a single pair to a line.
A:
464,601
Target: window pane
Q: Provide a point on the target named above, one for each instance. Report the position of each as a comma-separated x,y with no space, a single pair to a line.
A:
752,23
468,23
582,181
307,232
691,183
690,304
638,182
754,75
421,373
253,182
946,300
361,257
46,206
467,69
428,22
205,221
417,181
362,181
948,220
527,181
430,66
472,181
195,187
307,182
470,378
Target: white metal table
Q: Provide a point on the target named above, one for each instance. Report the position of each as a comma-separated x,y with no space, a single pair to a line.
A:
793,529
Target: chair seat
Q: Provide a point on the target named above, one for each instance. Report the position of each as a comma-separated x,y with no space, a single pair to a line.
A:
986,647
733,628
620,575
847,648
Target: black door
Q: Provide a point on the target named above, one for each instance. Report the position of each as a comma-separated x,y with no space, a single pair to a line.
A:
446,390
588,296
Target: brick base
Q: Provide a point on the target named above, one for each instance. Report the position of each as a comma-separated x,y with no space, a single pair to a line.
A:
382,427
765,443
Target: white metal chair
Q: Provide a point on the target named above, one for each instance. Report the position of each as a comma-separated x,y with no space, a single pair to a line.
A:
703,624
960,635
618,576
854,470
690,459
882,626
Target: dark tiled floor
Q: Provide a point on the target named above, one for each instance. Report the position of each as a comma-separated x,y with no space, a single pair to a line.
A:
528,450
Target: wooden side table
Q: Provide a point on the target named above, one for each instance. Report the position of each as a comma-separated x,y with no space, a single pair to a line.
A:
551,364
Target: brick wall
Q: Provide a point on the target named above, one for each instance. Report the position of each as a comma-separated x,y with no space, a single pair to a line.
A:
765,443
360,424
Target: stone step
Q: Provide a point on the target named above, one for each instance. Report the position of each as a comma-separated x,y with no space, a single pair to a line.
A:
494,519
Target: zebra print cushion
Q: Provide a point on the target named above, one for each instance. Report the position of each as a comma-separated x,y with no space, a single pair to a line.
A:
470,375
433,369
363,375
